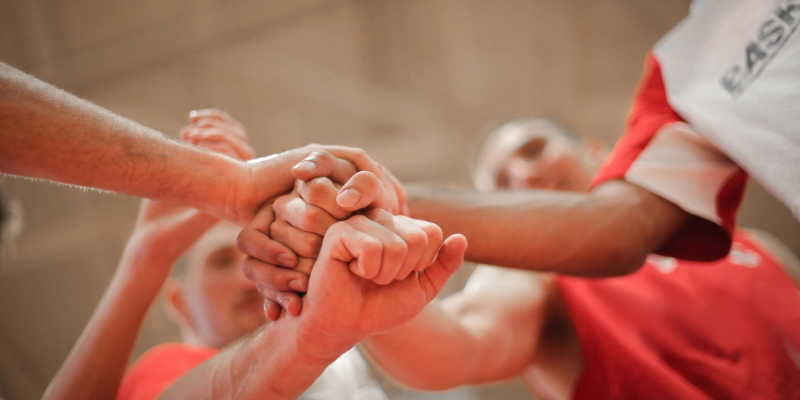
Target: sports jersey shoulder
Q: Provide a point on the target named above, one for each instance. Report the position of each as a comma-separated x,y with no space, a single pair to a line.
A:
732,71
159,367
663,154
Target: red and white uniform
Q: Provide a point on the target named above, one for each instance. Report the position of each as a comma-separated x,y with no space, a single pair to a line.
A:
720,91
687,330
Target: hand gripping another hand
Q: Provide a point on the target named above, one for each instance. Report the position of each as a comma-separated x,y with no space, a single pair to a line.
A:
377,271
301,219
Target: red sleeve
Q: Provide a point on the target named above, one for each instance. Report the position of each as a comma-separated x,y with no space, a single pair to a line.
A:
158,368
705,238
649,112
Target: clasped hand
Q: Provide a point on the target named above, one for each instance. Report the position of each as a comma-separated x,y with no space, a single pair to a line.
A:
386,258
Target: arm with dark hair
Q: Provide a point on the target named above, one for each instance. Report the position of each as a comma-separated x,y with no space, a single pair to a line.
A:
50,134
607,232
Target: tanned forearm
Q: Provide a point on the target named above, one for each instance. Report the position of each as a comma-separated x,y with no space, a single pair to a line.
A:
605,233
279,362
50,134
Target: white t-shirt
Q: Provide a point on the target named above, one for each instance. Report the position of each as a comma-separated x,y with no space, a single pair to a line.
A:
732,70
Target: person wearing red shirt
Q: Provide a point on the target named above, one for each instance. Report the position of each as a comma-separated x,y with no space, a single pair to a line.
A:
672,330
216,306
717,103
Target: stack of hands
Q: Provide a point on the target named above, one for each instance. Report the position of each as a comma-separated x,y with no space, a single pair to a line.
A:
342,238
345,220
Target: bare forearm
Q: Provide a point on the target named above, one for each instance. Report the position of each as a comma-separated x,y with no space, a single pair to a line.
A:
276,363
605,233
488,332
431,352
50,134
94,367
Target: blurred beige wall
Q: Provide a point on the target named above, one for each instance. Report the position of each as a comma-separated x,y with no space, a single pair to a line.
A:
413,82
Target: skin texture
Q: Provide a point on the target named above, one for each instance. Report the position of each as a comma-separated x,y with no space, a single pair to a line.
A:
162,233
341,309
50,134
505,323
215,305
606,232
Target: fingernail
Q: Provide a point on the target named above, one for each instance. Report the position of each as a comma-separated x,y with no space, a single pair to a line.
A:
286,260
306,166
349,197
284,300
296,285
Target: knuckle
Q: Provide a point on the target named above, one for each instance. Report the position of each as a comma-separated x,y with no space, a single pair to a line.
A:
359,152
417,239
366,176
396,248
337,228
280,206
310,219
310,248
435,233
317,191
372,246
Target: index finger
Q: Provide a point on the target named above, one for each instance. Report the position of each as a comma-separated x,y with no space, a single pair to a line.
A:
320,163
196,115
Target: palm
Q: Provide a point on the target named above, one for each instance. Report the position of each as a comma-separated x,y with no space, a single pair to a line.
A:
164,232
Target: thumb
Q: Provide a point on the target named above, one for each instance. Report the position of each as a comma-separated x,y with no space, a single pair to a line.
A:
447,262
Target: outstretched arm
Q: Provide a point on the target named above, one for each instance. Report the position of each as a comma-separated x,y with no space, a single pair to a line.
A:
607,232
94,367
489,331
50,134
341,309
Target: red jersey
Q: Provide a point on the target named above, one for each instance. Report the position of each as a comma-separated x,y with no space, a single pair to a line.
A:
159,367
684,330
664,155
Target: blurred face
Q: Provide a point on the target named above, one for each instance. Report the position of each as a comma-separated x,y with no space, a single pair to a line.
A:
551,162
222,304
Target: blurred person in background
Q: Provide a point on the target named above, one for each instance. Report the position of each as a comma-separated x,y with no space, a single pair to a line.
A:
717,102
673,330
210,299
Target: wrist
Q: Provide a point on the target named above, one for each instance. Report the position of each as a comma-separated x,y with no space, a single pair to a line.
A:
312,346
261,180
230,188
